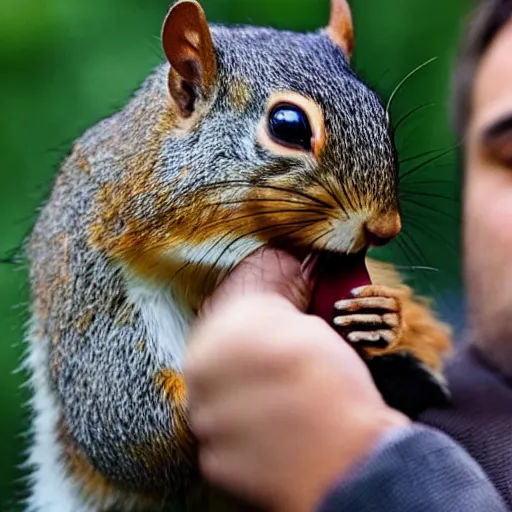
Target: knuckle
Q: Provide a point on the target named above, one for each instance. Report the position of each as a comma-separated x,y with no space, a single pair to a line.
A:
193,366
189,368
210,466
199,423
312,325
310,330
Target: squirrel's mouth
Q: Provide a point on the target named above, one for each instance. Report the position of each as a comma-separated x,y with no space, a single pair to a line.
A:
334,276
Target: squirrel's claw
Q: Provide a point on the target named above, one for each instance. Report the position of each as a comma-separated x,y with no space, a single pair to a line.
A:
373,317
377,339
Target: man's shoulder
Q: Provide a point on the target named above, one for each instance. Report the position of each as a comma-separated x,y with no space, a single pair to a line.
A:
416,468
480,415
475,385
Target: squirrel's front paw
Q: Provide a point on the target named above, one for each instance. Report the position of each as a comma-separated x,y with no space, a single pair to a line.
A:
371,319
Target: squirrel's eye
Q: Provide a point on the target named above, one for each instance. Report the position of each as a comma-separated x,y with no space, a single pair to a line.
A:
289,125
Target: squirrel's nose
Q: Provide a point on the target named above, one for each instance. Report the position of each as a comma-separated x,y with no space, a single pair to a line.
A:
381,229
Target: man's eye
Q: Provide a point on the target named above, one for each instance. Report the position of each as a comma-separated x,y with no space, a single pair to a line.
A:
501,148
289,126
497,140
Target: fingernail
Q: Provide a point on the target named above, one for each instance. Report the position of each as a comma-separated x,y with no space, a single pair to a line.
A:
353,338
338,320
357,291
342,304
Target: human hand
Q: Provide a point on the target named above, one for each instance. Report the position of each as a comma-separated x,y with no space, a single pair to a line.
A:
281,406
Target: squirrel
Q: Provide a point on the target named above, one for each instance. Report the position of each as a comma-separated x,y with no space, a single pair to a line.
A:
244,138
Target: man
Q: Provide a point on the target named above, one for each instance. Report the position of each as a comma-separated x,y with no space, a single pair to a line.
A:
481,375
281,418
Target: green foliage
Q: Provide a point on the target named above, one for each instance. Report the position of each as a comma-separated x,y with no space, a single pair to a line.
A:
65,65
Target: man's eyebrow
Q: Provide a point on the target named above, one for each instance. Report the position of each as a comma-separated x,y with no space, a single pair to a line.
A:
498,129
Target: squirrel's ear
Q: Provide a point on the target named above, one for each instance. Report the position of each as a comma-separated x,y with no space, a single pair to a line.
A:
188,46
341,29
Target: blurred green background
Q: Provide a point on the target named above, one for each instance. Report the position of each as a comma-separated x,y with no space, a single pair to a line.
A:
66,64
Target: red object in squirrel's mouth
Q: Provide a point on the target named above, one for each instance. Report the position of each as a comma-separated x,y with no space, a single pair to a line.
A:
334,276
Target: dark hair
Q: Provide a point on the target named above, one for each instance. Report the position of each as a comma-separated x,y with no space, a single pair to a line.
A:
490,16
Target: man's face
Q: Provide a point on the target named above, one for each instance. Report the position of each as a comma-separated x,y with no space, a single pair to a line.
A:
488,203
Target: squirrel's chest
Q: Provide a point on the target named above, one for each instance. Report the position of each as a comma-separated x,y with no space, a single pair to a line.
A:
166,322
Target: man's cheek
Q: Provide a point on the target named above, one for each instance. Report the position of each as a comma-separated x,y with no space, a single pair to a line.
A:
488,209
488,240
497,221
476,217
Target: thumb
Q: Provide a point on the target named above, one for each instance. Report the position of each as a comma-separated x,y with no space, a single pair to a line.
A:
267,271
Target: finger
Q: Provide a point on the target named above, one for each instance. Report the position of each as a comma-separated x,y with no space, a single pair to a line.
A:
388,321
353,320
350,305
382,337
213,468
374,291
267,271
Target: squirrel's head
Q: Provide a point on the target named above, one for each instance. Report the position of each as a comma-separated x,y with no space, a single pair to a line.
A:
271,140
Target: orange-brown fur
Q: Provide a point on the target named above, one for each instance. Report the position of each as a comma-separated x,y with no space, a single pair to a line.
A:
423,335
340,27
172,385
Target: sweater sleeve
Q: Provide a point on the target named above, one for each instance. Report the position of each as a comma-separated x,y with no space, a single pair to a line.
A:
417,469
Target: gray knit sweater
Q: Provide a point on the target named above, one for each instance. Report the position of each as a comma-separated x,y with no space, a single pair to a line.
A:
481,416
